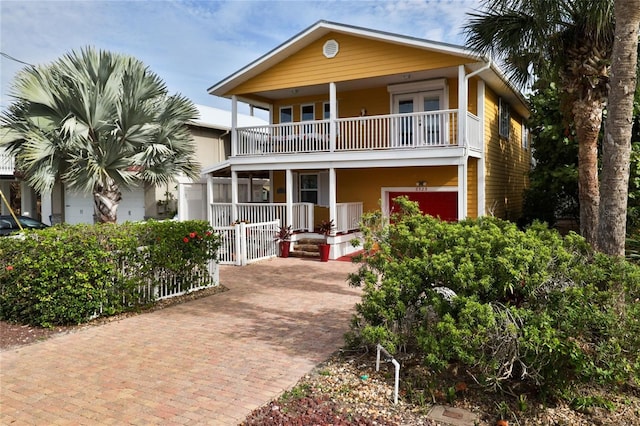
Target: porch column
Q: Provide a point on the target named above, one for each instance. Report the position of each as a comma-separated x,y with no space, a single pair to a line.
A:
46,207
209,199
271,188
481,172
5,187
333,209
234,195
27,201
289,191
333,106
462,190
462,106
234,125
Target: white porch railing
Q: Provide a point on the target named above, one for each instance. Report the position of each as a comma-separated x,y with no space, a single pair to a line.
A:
245,243
348,216
380,132
7,163
302,220
474,132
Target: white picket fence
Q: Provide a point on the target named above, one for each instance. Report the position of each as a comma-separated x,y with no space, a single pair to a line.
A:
245,243
165,285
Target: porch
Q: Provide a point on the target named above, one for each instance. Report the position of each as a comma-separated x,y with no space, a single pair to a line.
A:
450,128
7,163
301,219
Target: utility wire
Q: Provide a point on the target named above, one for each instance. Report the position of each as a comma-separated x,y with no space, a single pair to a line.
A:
14,59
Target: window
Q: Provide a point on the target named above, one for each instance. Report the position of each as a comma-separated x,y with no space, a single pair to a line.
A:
525,137
327,110
504,118
309,188
286,115
307,113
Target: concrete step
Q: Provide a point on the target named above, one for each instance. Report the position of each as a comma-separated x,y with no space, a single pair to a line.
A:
314,241
304,254
307,247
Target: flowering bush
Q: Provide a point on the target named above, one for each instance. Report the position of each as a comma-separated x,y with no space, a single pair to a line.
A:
68,274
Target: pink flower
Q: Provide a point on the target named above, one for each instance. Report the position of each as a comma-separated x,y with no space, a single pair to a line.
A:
193,235
208,233
185,239
9,268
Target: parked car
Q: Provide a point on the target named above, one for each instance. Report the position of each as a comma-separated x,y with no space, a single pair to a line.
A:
8,224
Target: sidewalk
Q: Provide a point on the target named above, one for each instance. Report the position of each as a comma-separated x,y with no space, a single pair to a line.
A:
208,361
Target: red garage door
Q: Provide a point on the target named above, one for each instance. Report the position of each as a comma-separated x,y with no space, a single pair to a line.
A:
438,204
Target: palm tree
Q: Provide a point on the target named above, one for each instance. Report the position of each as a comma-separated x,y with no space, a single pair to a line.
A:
566,41
98,122
616,145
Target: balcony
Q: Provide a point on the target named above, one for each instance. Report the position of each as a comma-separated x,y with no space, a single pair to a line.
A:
7,164
424,130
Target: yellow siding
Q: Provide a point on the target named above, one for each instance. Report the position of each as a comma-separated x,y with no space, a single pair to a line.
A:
375,101
472,188
358,58
365,184
507,163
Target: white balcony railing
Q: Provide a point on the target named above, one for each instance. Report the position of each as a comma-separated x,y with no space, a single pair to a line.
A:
302,220
7,163
380,132
474,132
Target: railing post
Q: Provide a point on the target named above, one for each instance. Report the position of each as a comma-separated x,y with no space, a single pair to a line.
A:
462,105
234,125
310,217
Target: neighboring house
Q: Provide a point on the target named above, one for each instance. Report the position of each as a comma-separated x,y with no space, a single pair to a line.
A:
359,117
211,132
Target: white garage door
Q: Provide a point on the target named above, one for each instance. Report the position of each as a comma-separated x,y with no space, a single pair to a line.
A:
79,207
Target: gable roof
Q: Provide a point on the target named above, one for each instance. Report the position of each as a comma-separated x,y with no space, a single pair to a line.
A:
492,75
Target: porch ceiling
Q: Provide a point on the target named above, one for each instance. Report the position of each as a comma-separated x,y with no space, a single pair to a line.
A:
349,85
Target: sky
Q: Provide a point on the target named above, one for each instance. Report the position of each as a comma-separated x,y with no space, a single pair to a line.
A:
194,44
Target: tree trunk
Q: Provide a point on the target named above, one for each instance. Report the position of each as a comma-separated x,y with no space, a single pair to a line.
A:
616,146
588,119
105,202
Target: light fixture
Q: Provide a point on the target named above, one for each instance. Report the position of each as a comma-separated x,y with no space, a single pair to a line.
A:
406,76
421,183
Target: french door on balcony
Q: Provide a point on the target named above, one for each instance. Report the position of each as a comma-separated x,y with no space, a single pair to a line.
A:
419,129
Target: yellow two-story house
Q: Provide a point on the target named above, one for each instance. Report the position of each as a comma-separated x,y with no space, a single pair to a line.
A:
359,117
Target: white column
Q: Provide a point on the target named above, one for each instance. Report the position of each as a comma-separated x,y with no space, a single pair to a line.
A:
234,125
27,203
462,106
462,190
289,191
481,160
5,187
271,188
333,209
234,195
46,207
333,107
209,199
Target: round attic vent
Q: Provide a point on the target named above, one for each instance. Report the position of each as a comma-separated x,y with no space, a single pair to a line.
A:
330,48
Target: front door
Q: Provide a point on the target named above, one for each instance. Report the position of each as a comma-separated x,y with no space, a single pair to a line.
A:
441,204
417,129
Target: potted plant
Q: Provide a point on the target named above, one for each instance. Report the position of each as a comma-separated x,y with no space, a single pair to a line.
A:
326,227
283,238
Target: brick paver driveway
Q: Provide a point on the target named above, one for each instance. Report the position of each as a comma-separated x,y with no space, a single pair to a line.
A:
208,361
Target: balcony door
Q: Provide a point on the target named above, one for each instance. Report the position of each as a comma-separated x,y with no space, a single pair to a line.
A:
419,129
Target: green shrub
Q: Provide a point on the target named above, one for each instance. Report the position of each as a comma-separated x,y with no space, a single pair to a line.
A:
69,274
509,304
